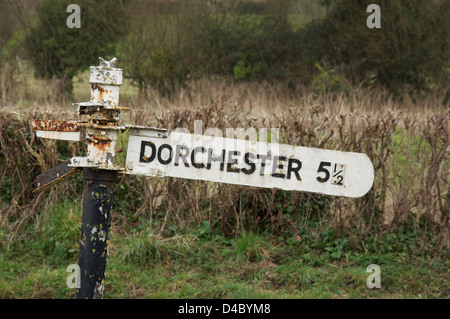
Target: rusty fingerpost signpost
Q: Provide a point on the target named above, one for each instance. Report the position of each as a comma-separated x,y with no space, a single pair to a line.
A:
99,170
156,152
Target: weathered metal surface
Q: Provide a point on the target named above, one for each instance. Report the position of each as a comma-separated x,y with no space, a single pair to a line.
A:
99,166
104,111
58,130
50,125
250,163
96,220
104,125
107,64
99,171
101,127
106,75
106,94
146,131
89,108
101,147
105,83
54,175
84,162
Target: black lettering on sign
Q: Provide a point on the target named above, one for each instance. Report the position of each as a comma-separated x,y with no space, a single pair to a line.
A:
277,165
292,169
183,156
263,162
212,158
231,161
247,161
195,151
143,158
322,169
280,166
160,149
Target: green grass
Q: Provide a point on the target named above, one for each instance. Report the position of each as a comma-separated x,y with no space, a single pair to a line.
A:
203,264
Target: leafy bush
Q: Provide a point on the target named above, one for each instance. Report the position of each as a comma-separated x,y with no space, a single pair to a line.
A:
326,81
410,50
153,53
61,52
167,50
261,47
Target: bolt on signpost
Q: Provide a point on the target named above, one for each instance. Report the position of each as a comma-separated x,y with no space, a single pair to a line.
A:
157,152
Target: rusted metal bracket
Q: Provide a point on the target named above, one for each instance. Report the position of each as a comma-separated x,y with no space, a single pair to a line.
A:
58,130
88,108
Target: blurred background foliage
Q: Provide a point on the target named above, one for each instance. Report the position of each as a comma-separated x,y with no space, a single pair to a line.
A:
163,44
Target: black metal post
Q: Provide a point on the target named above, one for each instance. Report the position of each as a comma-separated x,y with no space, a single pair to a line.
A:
96,220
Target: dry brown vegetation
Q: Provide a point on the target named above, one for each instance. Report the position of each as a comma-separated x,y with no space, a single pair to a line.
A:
409,150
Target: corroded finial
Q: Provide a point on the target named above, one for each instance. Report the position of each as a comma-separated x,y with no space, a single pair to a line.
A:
107,64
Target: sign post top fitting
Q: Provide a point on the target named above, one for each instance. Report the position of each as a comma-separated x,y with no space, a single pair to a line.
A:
106,73
105,81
